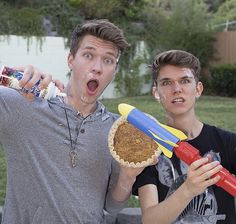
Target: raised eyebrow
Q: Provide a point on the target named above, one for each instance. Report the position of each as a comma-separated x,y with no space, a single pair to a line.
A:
108,52
187,77
168,79
112,54
88,48
164,79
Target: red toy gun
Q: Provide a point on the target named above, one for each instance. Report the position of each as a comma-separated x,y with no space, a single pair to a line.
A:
169,140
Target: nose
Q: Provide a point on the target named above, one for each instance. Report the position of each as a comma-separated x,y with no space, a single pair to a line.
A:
177,88
97,67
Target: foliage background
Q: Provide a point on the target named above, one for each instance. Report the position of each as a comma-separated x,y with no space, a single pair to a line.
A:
161,24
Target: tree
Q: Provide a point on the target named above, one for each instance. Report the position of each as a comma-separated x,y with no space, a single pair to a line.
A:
187,28
129,82
213,5
226,12
154,12
110,9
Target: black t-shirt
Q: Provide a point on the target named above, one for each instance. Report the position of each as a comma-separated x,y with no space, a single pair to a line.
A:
213,206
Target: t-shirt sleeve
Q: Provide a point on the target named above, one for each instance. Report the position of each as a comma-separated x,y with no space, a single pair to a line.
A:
13,104
148,176
10,106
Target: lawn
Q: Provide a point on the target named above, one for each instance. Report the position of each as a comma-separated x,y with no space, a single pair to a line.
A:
220,111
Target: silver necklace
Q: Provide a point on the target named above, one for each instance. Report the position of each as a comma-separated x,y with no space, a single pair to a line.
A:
72,153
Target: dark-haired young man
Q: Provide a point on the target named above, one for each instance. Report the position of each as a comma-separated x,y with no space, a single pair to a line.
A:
171,191
59,168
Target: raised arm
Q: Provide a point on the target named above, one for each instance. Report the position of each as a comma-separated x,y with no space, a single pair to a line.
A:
168,210
31,76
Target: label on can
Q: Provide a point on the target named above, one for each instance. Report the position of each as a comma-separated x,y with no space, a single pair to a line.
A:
10,78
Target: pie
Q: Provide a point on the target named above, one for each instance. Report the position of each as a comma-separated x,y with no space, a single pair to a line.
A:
131,147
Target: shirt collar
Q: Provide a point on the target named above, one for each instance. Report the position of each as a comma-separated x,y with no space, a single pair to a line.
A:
100,110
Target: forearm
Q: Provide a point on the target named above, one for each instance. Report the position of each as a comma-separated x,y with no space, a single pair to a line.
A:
117,198
167,211
123,188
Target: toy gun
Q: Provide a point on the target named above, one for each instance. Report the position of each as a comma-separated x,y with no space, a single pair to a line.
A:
170,140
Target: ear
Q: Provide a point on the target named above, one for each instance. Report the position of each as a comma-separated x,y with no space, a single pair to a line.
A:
155,93
70,59
199,89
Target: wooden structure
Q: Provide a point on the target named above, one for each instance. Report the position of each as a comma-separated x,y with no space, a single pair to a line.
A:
225,46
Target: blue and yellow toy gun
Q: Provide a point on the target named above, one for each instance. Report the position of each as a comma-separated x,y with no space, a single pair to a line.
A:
170,140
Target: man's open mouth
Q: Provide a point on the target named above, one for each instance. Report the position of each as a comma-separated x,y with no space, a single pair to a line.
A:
92,85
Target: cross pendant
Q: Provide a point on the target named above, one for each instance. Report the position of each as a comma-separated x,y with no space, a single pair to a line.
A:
73,158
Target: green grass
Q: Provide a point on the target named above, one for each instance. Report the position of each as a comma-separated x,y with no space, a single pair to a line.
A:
219,111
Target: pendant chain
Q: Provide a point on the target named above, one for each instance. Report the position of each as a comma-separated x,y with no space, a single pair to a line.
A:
73,154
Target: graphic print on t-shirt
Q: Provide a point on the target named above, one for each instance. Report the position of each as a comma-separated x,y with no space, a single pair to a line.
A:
203,208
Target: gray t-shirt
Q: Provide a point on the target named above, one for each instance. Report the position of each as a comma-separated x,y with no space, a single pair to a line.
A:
42,187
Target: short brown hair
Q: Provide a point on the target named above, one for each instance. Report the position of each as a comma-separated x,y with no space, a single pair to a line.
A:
177,58
100,28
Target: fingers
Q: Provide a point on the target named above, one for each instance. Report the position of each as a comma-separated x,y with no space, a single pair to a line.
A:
155,161
210,169
31,76
201,174
27,74
205,170
130,172
198,163
46,79
212,181
59,85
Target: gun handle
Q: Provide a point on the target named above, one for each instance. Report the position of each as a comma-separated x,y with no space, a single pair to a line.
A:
189,154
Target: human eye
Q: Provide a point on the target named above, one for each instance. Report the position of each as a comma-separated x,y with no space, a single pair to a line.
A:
185,81
109,61
87,55
165,83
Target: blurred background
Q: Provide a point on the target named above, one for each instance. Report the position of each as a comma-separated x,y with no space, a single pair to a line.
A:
37,31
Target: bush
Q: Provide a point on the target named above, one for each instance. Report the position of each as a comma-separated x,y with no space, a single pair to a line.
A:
129,82
223,80
26,21
187,28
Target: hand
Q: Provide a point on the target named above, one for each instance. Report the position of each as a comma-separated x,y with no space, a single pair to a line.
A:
200,174
59,85
132,173
125,181
31,75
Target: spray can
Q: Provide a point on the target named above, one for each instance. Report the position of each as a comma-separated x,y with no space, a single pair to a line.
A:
10,78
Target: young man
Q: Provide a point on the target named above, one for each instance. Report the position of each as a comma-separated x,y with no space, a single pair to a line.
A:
171,191
59,168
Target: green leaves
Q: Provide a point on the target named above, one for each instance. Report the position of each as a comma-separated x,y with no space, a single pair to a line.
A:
227,11
223,80
26,21
187,27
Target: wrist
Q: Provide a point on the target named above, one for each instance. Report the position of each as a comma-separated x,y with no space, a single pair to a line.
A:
126,183
127,174
187,193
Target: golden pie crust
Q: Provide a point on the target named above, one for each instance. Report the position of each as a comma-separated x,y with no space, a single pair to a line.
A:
131,147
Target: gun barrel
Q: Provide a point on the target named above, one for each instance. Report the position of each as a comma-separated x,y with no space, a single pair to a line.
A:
189,154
